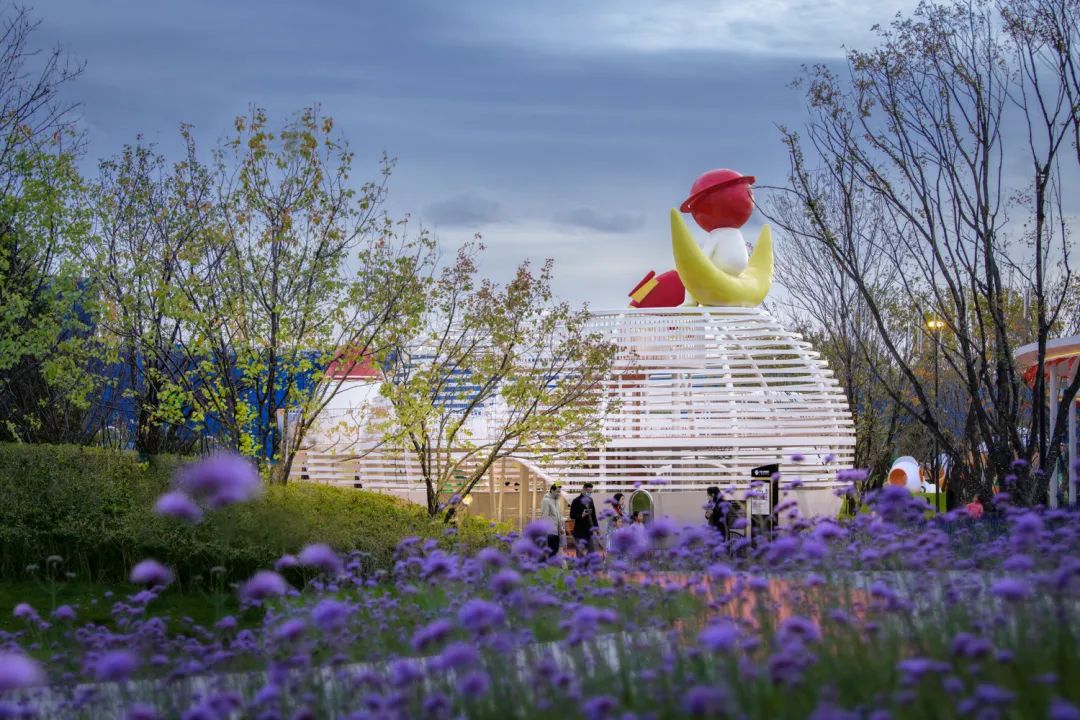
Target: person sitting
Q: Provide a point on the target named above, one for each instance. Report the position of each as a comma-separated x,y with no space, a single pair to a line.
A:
975,508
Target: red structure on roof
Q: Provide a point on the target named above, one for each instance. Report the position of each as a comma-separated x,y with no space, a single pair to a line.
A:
344,367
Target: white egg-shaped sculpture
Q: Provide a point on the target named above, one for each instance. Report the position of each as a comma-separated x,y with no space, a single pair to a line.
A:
905,472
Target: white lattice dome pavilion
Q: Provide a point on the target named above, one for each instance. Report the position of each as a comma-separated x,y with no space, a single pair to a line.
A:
707,394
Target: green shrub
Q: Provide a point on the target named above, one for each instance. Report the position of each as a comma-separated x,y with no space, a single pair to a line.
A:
93,507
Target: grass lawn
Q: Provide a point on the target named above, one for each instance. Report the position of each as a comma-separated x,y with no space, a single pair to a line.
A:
929,498
92,605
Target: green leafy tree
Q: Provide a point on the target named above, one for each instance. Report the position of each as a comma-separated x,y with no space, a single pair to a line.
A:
150,219
493,371
45,316
299,269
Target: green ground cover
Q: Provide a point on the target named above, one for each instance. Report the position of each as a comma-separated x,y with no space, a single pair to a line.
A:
95,600
93,509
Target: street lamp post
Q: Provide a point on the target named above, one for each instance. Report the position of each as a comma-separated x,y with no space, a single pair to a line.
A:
935,326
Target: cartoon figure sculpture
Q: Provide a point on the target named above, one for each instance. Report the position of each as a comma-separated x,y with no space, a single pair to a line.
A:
664,290
722,274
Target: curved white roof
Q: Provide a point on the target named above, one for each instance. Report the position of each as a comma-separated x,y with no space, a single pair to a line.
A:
1058,349
706,394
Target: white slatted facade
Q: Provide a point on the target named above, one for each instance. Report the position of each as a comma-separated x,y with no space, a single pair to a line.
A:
710,394
705,394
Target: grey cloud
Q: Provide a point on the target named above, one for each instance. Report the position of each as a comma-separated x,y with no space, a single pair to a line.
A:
584,217
464,211
576,155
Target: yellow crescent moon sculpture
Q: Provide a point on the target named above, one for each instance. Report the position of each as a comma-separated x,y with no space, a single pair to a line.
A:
709,285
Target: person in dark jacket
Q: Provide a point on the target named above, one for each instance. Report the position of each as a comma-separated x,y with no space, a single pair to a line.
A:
583,513
717,510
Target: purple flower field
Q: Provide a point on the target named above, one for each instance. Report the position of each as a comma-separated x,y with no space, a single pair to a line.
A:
894,613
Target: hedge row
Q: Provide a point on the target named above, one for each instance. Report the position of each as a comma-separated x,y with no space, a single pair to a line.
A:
93,508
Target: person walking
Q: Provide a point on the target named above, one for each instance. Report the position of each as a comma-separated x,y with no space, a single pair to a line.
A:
551,509
583,513
975,508
717,510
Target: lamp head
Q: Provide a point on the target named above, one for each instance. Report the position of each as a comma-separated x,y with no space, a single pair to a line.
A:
935,324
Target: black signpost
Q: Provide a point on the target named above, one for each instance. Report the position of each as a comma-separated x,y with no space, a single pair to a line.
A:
761,508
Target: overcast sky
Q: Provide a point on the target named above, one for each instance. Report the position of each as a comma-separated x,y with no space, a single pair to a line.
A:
556,129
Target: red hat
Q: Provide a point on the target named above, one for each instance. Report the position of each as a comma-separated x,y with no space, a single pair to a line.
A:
711,182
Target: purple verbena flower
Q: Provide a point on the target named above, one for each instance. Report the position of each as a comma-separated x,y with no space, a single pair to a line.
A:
523,547
475,684
917,667
151,572
719,571
321,556
437,705
267,694
262,585
222,479
19,671
1011,589
993,694
799,627
491,558
141,711
1027,527
64,612
661,529
1061,709
436,565
330,614
703,701
226,624
457,656
290,630
180,506
599,708
24,611
431,634
1018,563
719,637
629,541
505,581
404,672
969,646
828,530
585,623
115,666
538,530
480,616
